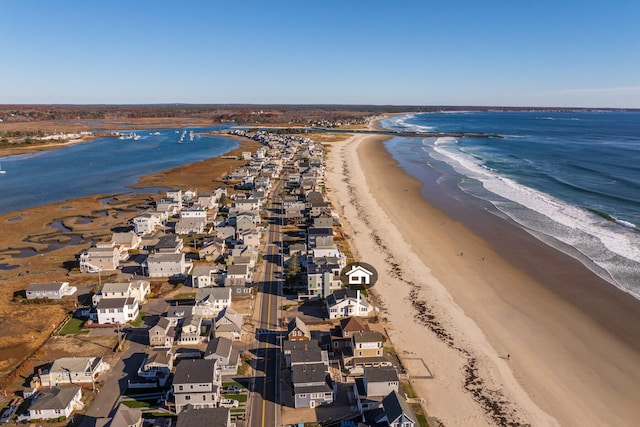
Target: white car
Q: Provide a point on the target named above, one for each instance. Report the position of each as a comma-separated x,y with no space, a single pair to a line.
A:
229,403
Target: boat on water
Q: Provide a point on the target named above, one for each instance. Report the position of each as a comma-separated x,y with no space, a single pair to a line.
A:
2,171
191,135
136,137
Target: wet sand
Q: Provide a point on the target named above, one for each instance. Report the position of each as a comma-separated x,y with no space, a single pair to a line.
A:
464,289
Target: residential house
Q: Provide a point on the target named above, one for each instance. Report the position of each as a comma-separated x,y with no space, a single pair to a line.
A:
170,244
246,221
138,289
341,335
190,331
221,349
204,417
376,383
366,350
323,278
169,207
212,249
147,223
228,324
167,265
156,366
127,417
241,271
196,382
226,233
55,403
176,313
117,310
312,385
53,290
319,237
347,303
210,301
298,330
202,276
162,334
99,259
125,242
397,412
73,370
190,226
325,221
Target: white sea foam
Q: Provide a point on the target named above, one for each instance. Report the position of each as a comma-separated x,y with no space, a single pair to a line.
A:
400,123
614,247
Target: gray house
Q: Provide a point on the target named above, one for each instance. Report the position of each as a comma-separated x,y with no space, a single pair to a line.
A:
376,383
221,349
312,385
204,417
397,412
196,382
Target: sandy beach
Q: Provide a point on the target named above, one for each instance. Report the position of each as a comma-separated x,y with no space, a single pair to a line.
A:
465,289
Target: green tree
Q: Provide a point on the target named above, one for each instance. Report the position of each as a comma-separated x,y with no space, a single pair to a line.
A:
293,270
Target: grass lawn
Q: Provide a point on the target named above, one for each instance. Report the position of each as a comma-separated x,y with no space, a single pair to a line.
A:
135,404
136,323
73,327
239,397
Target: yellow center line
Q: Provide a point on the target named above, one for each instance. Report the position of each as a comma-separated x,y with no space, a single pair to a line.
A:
269,276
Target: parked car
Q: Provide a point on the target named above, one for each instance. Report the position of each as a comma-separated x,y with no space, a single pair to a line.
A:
233,389
229,403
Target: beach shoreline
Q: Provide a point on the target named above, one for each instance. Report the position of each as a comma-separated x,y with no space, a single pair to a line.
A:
474,301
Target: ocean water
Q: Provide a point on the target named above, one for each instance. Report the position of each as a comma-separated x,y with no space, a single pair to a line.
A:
106,165
570,179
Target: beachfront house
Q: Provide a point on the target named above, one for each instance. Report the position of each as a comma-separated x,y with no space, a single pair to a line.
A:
366,350
341,334
72,370
52,290
323,279
196,382
397,412
375,384
347,303
56,403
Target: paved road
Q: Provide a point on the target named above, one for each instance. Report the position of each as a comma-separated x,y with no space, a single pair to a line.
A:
265,408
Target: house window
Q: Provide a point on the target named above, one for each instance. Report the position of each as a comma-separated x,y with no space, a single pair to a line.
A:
187,397
180,388
302,396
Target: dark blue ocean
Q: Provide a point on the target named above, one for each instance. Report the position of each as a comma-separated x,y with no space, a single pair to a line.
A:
570,179
103,166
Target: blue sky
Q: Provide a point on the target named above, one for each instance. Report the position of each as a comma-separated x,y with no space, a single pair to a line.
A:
455,52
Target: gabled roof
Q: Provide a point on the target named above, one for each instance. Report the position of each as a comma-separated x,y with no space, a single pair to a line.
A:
313,373
52,286
351,295
395,406
219,346
125,417
298,323
202,270
163,323
116,287
215,293
55,398
229,316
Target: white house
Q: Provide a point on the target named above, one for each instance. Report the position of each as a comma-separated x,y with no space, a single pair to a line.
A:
138,289
147,222
202,276
73,370
117,310
54,290
210,301
347,303
56,402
